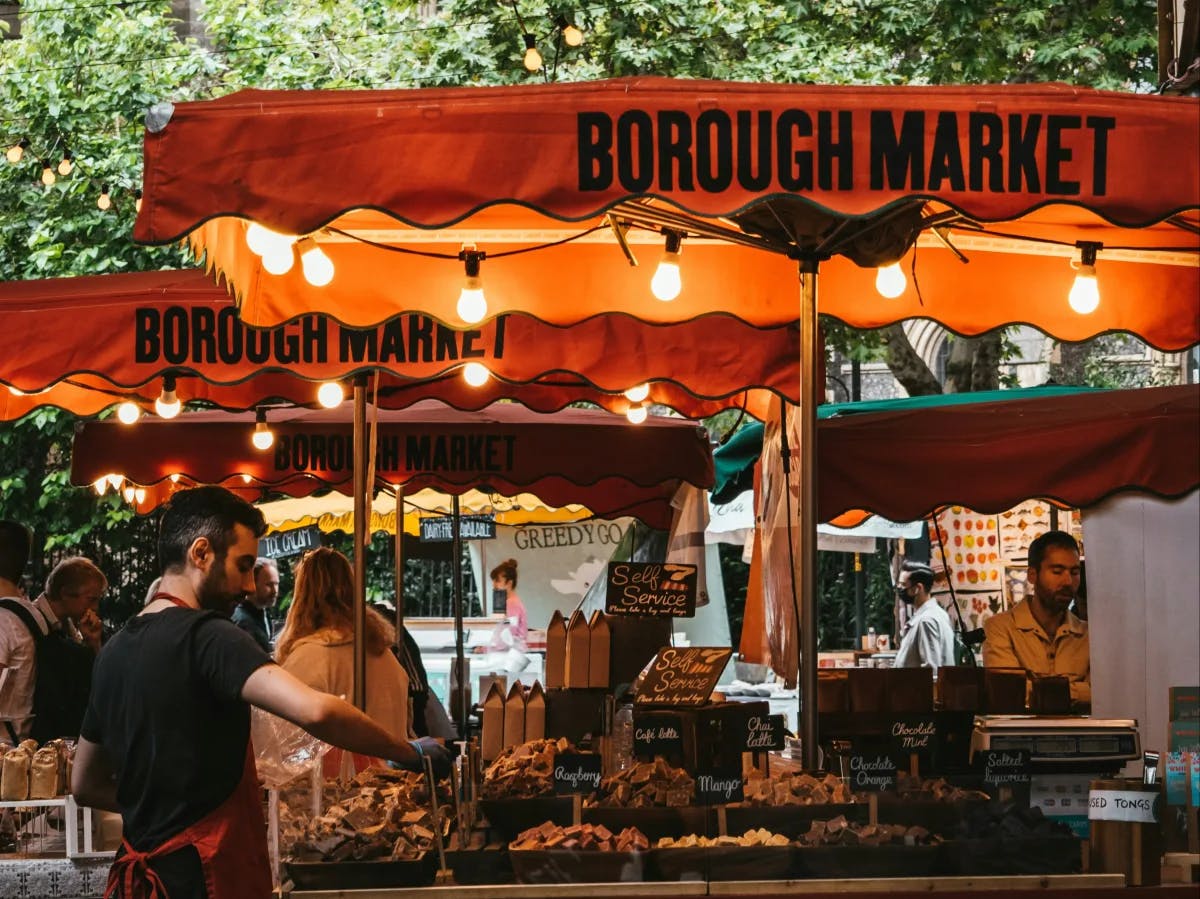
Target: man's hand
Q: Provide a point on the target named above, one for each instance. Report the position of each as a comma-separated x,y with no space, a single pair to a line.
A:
432,749
91,628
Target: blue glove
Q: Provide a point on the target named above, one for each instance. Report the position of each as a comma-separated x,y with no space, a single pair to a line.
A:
429,747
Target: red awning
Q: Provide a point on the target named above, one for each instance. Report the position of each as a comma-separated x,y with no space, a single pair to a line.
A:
575,456
180,323
516,168
1075,449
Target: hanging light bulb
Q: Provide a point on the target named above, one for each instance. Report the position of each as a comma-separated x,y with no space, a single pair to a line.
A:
472,304
100,485
533,59
175,478
139,495
115,481
330,394
246,479
137,201
15,391
262,438
1085,291
48,176
167,405
636,413
128,493
262,240
128,413
638,394
279,259
890,280
476,374
66,164
667,283
318,268
104,201
16,152
571,35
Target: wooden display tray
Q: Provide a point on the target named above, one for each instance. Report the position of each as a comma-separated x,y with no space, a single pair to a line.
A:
364,875
509,817
568,866
720,863
655,822
790,820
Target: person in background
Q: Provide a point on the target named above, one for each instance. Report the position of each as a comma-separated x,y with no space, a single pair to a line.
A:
251,614
1040,633
513,632
166,737
317,641
17,649
929,640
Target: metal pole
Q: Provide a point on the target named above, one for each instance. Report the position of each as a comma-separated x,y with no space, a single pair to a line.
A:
459,653
360,543
400,564
808,512
860,581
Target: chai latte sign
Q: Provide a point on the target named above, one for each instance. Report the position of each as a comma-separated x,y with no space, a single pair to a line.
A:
682,676
651,588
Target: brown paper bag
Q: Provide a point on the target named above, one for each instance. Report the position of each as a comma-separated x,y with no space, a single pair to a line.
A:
599,646
514,716
578,662
556,651
492,741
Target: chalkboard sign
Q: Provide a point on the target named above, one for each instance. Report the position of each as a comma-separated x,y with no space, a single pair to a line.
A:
1006,769
719,787
576,772
914,735
656,735
765,733
872,772
282,544
651,588
440,528
683,676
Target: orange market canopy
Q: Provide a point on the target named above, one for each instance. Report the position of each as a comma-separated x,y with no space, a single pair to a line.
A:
749,173
575,456
179,323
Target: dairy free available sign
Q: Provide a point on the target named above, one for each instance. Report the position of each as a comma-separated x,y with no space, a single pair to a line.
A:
651,588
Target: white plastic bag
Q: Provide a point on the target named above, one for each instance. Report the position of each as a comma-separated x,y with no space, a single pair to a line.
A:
282,751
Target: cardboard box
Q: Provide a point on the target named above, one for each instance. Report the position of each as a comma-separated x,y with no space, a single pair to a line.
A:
535,713
1184,735
1184,703
578,662
492,741
599,646
514,716
556,651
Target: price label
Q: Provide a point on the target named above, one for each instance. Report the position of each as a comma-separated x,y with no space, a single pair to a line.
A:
576,772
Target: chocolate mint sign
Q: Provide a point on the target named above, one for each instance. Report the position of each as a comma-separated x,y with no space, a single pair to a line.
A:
440,529
651,588
872,773
914,736
576,772
682,676
764,733
656,735
282,544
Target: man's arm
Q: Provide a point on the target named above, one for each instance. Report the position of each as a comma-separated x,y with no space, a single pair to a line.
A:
324,716
92,778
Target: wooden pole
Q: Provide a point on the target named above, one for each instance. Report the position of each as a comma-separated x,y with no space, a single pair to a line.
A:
360,543
807,518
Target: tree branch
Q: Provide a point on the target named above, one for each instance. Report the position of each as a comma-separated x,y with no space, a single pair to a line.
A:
908,367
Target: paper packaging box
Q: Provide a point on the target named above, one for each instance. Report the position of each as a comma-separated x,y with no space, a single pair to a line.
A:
599,642
493,723
535,713
1183,735
578,643
1185,703
556,652
514,716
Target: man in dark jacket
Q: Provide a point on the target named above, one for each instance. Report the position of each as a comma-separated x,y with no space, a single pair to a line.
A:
251,614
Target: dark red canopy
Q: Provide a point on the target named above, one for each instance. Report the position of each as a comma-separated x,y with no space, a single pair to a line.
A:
574,456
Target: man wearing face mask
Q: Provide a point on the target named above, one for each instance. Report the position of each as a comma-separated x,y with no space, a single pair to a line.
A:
929,640
1040,633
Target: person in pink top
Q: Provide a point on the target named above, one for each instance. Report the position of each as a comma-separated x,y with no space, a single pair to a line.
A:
511,634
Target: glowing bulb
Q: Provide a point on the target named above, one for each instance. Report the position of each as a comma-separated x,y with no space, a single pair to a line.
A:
318,268
167,405
636,414
262,438
667,283
475,374
48,177
533,59
115,481
246,479
140,495
330,394
638,394
128,493
65,165
1085,292
278,260
128,413
175,478
16,391
100,485
472,304
890,280
104,201
572,36
16,152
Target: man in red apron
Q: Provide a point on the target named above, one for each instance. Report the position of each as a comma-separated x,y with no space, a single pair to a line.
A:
166,738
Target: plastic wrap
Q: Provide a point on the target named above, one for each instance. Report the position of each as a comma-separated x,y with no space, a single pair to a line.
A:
282,751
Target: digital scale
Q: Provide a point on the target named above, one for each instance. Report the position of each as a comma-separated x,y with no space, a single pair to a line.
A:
1092,745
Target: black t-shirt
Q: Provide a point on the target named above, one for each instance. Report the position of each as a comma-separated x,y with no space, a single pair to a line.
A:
166,706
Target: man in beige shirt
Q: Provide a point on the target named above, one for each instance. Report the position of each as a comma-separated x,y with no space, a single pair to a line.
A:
1040,634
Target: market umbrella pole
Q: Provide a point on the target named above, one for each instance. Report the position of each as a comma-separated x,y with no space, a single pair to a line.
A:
459,657
400,564
808,512
360,544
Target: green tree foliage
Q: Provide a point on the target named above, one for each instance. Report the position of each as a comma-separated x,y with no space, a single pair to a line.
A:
81,76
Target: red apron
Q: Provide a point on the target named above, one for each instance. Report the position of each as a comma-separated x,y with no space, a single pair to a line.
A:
231,841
